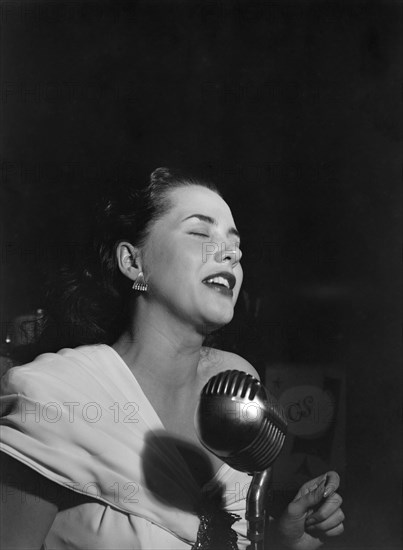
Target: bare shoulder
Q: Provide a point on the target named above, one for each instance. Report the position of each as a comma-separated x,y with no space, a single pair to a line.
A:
216,360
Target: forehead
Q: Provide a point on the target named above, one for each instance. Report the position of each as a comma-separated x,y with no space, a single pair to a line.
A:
198,200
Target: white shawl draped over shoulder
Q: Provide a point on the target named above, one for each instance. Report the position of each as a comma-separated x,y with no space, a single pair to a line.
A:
80,418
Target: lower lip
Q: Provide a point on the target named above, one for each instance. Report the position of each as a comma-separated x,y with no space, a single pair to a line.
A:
220,289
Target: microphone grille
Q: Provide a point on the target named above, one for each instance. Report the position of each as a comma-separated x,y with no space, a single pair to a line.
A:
240,422
232,383
263,450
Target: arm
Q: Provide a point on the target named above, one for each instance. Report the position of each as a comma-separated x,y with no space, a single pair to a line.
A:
27,507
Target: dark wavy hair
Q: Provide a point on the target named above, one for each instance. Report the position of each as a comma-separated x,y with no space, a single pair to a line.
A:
90,303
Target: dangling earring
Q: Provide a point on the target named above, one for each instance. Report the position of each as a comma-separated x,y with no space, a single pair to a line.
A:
140,283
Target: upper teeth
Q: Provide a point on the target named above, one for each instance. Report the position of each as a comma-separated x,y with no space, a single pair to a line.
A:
219,281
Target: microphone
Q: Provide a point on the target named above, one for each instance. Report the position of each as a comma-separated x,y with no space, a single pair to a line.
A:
241,423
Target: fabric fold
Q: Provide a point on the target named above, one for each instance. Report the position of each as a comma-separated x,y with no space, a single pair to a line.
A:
80,418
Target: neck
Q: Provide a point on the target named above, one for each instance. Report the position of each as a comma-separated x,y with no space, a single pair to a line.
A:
160,348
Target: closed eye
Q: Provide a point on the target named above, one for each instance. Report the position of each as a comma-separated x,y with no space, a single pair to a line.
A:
198,234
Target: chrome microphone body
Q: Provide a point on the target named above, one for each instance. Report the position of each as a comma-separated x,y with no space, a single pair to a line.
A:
241,423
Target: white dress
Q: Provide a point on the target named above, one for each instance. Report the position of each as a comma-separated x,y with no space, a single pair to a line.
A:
80,418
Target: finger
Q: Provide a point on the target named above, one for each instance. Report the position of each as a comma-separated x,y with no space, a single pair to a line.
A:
327,509
310,486
326,525
332,483
308,500
335,531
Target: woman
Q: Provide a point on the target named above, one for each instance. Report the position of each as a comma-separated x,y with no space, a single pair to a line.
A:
99,447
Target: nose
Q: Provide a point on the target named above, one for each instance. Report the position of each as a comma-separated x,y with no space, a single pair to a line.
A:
228,252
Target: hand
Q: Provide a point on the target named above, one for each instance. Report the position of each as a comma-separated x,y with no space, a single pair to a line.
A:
314,513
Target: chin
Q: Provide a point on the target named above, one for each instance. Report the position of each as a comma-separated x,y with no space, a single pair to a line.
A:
218,321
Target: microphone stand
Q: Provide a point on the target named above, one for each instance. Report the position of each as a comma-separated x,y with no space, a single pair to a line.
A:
255,508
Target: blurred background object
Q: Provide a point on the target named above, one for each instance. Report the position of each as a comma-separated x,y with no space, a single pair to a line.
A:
314,400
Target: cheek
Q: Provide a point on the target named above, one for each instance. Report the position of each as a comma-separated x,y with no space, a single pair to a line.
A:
167,265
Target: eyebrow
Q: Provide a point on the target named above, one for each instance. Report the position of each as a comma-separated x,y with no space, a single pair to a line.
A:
208,219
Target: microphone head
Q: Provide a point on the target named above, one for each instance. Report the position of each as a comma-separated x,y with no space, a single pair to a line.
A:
240,422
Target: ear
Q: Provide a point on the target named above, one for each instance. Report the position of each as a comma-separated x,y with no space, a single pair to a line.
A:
129,261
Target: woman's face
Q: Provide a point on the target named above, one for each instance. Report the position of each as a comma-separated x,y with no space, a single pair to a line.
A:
191,259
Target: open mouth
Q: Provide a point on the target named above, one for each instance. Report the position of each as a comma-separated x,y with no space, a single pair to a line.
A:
221,282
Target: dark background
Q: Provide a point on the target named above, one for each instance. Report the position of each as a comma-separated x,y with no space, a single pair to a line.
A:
294,110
